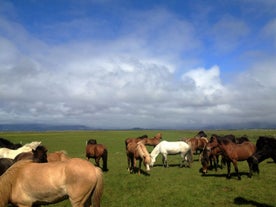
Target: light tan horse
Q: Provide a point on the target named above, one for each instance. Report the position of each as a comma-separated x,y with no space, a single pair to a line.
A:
26,183
57,156
137,151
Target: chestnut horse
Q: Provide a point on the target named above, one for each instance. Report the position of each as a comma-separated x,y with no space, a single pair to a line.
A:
137,151
30,184
136,140
233,152
197,144
97,151
154,141
57,156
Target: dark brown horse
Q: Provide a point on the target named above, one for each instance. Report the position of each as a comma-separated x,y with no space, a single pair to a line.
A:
266,148
38,155
98,152
233,152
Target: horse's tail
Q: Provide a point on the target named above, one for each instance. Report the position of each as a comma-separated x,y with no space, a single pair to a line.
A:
98,190
104,156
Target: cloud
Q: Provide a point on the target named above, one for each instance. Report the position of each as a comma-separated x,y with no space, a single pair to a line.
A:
144,76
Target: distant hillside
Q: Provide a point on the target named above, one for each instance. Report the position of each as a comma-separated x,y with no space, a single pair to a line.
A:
40,127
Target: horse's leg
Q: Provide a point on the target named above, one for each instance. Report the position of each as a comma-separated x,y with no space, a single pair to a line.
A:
140,164
235,163
182,159
97,161
165,161
228,169
250,165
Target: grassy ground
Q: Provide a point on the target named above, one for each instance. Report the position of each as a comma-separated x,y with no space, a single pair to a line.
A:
171,186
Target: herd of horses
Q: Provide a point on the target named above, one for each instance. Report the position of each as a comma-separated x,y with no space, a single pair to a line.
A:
31,176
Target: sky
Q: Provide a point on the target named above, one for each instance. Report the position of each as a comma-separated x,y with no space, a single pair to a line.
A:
119,64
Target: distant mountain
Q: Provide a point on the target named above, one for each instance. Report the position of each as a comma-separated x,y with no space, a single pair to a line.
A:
40,127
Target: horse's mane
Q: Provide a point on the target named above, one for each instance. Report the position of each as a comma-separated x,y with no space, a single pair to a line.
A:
224,141
143,136
143,152
33,145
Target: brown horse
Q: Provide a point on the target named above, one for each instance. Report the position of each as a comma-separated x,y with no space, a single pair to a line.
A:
97,151
233,152
154,141
57,156
197,144
136,140
38,155
137,151
27,184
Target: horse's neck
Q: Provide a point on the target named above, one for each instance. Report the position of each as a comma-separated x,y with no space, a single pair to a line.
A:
155,151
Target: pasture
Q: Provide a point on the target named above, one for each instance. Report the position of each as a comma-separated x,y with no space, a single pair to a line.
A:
173,186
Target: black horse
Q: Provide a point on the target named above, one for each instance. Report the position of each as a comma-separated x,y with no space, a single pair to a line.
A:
266,148
8,144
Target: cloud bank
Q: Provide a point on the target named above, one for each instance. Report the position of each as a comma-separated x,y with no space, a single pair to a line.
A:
149,75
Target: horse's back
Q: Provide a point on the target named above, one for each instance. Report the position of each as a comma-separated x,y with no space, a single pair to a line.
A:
51,182
173,147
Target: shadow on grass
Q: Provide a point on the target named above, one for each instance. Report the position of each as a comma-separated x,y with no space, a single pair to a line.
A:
170,165
142,172
243,201
233,175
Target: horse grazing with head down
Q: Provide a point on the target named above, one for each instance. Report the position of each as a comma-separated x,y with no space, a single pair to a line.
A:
233,152
98,152
137,151
171,148
27,184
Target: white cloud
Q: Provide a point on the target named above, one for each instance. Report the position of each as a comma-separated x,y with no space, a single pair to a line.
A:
137,79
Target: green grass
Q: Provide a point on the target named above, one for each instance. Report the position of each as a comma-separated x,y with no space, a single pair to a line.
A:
171,186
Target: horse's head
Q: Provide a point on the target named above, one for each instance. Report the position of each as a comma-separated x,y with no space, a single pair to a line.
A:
158,136
147,162
205,160
152,161
40,154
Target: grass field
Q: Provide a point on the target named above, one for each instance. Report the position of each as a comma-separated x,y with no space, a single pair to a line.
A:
171,186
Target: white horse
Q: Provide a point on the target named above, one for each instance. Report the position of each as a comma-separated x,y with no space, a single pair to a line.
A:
172,148
11,153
